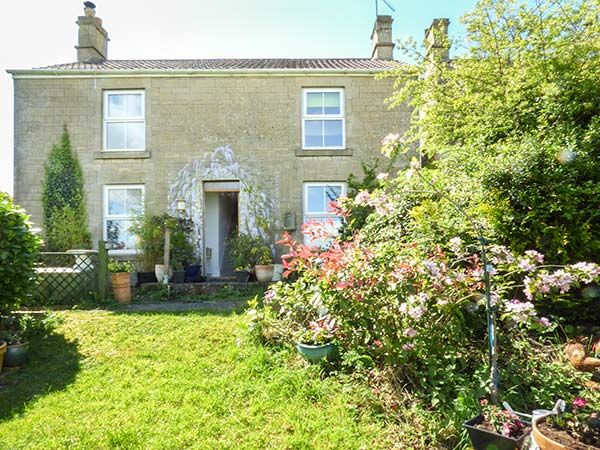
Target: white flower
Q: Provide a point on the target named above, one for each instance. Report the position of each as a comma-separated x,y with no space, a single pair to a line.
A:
362,198
456,244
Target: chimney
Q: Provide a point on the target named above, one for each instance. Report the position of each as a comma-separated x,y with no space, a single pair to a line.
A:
437,45
93,38
383,46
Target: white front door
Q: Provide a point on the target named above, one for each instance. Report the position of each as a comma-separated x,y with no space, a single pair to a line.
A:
220,223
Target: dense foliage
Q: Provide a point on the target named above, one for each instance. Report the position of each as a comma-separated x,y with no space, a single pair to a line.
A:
248,251
512,135
418,318
150,232
512,128
18,252
63,199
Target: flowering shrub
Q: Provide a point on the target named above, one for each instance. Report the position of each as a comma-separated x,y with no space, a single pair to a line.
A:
501,421
422,313
580,420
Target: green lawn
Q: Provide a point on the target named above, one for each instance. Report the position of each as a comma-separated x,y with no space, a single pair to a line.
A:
174,381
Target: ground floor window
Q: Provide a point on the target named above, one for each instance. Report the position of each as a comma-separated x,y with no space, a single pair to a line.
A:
121,204
317,198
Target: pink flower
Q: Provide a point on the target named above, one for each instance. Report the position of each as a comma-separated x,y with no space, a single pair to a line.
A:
363,198
545,322
410,332
519,311
270,295
391,139
579,402
525,265
537,256
408,347
417,312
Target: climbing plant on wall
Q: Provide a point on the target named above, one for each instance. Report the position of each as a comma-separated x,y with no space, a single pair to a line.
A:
63,199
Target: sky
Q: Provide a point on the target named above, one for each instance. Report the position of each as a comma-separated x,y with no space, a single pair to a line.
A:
36,33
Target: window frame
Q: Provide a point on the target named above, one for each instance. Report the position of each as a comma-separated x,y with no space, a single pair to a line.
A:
106,217
324,117
106,120
325,214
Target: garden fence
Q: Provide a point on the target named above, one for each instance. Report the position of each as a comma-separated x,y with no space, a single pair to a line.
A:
71,277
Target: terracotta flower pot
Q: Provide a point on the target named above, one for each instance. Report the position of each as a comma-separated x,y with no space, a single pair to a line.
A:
543,441
2,351
121,287
264,273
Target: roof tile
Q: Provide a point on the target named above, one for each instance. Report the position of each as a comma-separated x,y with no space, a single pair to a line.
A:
230,64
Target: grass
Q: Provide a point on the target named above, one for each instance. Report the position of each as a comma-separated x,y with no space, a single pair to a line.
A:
227,292
106,380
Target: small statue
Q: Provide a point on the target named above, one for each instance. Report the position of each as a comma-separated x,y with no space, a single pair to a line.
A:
578,351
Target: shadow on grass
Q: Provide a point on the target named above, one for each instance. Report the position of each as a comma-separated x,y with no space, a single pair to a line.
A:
51,366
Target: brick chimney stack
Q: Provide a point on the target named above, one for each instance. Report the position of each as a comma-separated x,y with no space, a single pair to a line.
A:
437,44
383,46
93,38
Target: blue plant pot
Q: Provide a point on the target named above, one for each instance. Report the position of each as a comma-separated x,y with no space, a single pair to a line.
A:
16,355
316,353
192,272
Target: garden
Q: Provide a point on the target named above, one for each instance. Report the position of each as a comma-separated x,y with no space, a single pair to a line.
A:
463,289
458,306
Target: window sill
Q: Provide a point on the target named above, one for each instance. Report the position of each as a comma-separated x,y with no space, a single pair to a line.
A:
127,154
325,152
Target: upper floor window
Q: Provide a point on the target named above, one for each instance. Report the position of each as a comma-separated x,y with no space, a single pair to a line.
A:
122,203
124,120
323,122
317,199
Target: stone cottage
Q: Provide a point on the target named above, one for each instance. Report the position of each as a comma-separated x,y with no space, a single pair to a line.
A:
231,143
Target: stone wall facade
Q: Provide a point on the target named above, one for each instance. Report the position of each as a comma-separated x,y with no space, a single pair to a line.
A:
258,116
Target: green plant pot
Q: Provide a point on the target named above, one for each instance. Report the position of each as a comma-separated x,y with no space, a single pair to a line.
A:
16,355
316,353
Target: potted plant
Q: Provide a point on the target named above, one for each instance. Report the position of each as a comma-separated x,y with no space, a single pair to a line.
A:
578,427
150,242
316,342
121,281
17,333
192,273
496,428
263,266
178,272
182,251
251,254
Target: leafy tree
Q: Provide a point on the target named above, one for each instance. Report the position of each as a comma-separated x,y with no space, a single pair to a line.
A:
512,127
18,251
63,199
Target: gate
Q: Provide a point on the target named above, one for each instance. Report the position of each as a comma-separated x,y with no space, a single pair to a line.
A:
71,277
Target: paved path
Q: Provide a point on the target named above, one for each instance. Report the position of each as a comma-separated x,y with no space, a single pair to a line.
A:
220,306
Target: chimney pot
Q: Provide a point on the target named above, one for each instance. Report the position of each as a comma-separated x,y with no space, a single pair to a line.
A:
89,9
383,46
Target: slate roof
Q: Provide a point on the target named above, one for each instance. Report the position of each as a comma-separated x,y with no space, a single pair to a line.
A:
323,64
